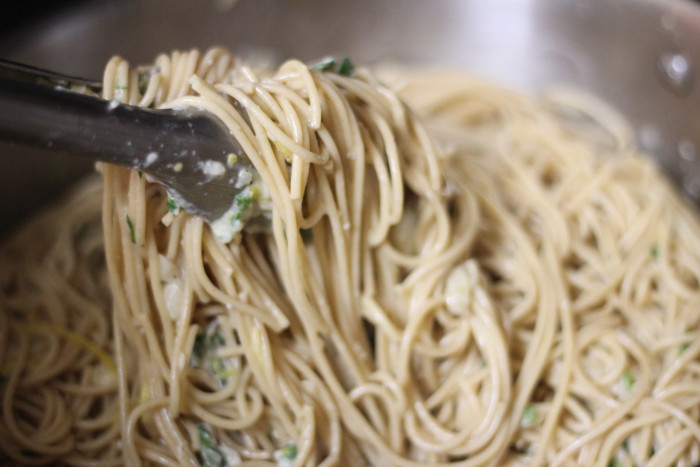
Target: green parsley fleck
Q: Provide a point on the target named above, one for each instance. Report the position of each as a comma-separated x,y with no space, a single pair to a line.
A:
211,457
324,64
289,451
244,202
140,172
205,436
172,206
218,368
654,251
132,233
205,355
209,454
231,159
206,342
217,339
199,349
682,348
628,380
145,78
529,417
346,67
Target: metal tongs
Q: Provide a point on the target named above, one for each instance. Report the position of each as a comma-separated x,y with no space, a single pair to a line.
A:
188,150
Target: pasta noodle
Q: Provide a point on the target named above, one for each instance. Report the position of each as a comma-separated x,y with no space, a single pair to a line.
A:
451,274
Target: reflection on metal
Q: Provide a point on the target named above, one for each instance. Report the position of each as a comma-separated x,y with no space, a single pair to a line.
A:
676,72
691,186
686,149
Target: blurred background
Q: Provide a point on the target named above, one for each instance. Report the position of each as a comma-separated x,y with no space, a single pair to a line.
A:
28,12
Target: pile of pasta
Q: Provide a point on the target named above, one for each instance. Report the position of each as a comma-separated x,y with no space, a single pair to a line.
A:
450,273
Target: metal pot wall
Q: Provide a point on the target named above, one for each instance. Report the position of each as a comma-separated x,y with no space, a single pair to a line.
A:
639,55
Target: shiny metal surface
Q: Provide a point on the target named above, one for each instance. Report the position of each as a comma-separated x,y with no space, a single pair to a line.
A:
187,150
640,55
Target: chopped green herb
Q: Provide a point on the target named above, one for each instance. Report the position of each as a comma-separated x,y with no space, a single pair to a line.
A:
140,172
199,349
145,78
205,355
628,380
346,67
205,436
178,167
218,339
244,202
682,348
231,159
654,251
285,455
121,86
211,457
220,371
209,454
132,233
529,417
324,64
172,206
205,343
289,451
614,463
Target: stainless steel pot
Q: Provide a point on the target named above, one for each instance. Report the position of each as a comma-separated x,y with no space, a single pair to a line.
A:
640,55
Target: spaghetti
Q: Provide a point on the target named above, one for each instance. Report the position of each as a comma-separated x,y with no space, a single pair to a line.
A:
453,274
